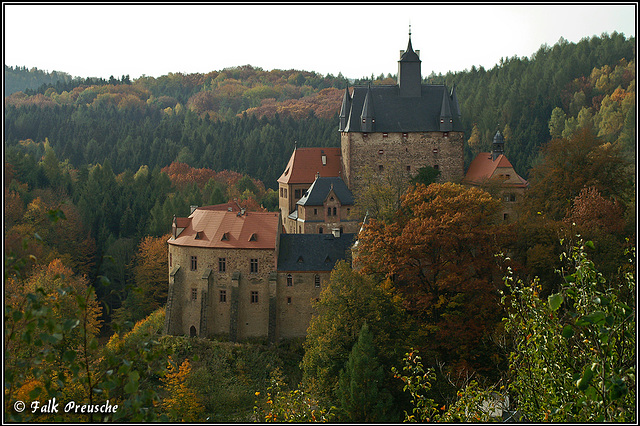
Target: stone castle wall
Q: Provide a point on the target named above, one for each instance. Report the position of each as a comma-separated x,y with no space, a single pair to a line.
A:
363,152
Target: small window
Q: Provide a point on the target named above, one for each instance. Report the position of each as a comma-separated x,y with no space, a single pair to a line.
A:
253,237
170,259
315,212
254,266
223,296
381,151
435,166
445,134
505,216
222,264
405,135
194,294
254,297
317,280
297,193
435,150
320,230
380,168
335,211
194,263
328,211
289,280
288,300
385,135
408,168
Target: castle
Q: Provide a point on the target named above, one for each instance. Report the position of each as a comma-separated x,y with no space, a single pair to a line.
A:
242,275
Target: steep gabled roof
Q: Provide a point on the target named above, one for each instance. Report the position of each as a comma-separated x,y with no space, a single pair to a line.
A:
320,189
305,163
312,252
483,168
228,229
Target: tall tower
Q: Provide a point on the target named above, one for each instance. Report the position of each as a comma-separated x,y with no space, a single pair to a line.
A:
401,127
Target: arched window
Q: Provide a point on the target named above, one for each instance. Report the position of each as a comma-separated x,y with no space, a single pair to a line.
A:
192,332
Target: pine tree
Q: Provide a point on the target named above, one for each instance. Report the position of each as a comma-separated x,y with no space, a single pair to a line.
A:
361,390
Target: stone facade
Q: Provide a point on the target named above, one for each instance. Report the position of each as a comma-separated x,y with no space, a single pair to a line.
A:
373,152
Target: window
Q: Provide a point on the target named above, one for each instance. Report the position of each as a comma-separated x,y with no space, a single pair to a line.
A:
254,266
288,300
317,280
328,211
281,193
254,297
170,259
405,135
380,168
222,264
297,193
445,134
380,151
505,216
320,230
315,212
335,211
194,294
223,296
194,263
289,280
385,135
408,168
435,166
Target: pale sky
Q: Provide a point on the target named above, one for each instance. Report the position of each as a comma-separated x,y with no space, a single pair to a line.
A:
94,40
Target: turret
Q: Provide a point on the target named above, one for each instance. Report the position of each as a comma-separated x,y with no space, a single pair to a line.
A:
345,109
409,72
368,114
498,146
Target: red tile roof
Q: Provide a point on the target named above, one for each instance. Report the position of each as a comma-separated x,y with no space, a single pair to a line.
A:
250,230
483,168
306,162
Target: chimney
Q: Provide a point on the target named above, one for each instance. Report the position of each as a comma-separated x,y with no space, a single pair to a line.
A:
193,208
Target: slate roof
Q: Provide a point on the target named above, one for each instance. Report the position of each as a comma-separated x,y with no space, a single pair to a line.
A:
306,162
319,190
312,252
394,113
228,229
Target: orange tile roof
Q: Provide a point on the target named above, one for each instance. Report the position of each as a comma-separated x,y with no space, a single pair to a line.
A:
483,168
224,229
306,162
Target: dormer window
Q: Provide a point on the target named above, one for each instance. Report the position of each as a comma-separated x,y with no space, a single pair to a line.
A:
225,237
199,235
385,135
381,151
253,237
435,150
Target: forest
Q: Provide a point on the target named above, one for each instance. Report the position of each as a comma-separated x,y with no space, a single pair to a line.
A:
453,310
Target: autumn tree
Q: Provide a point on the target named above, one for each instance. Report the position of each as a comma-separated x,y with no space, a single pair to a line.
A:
568,166
181,402
439,251
150,276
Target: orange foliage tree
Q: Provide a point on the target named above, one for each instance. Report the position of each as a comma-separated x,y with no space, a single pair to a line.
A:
439,250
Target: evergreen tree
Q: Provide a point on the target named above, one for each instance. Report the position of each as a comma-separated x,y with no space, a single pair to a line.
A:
361,390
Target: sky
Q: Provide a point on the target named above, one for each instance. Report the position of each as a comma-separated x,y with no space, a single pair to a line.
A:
357,40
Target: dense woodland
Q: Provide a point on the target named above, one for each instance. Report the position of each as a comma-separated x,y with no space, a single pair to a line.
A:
95,170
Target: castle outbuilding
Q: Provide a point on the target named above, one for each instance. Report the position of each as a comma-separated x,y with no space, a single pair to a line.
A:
493,172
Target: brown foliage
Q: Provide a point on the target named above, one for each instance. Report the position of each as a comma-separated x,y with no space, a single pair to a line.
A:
440,251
